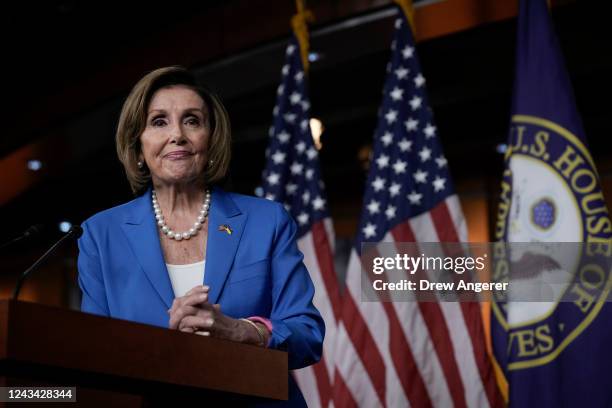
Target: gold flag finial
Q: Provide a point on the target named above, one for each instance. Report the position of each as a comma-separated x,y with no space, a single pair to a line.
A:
408,10
299,23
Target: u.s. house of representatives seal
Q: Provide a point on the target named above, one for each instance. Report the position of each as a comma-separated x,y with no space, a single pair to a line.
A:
550,195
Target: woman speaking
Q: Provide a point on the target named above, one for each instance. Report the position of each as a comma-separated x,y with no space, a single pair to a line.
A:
185,254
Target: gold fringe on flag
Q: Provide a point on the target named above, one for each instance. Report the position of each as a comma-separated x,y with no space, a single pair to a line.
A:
299,23
406,6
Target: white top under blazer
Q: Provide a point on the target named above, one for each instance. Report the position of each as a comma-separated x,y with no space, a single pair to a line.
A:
185,277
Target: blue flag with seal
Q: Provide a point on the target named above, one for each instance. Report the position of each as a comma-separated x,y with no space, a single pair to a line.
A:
553,353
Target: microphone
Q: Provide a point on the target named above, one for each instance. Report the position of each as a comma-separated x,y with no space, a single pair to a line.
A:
32,231
75,232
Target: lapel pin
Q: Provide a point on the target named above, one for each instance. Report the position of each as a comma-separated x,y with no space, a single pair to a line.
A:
225,228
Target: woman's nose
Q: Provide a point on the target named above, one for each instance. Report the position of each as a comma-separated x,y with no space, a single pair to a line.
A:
176,134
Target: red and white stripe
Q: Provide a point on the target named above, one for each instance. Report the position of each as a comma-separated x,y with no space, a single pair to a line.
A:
316,381
420,354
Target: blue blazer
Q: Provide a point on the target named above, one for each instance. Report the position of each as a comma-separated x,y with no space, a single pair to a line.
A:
257,270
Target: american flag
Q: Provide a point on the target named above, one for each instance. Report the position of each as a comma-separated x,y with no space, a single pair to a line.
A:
401,354
292,176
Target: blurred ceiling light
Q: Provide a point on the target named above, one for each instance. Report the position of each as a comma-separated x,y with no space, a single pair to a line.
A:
65,226
316,128
34,165
314,56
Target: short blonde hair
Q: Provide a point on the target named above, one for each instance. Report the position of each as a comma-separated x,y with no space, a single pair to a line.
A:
132,123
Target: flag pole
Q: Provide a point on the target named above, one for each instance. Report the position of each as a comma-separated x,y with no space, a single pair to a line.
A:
299,23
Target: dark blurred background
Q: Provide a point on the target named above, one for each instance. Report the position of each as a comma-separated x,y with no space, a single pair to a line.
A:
69,65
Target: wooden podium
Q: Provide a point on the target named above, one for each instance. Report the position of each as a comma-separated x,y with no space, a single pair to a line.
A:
120,363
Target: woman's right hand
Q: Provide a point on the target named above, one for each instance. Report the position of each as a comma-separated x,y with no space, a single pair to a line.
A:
187,305
193,314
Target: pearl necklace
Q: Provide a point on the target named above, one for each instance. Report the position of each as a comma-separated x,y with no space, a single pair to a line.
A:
193,231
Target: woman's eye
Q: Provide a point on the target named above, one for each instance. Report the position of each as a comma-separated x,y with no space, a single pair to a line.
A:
193,121
158,122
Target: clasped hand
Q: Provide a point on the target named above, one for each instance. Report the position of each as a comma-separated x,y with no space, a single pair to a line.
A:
193,314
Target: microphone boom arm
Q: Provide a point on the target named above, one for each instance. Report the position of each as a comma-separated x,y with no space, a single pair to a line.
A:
75,230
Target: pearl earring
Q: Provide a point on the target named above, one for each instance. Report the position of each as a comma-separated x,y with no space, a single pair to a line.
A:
210,162
140,164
